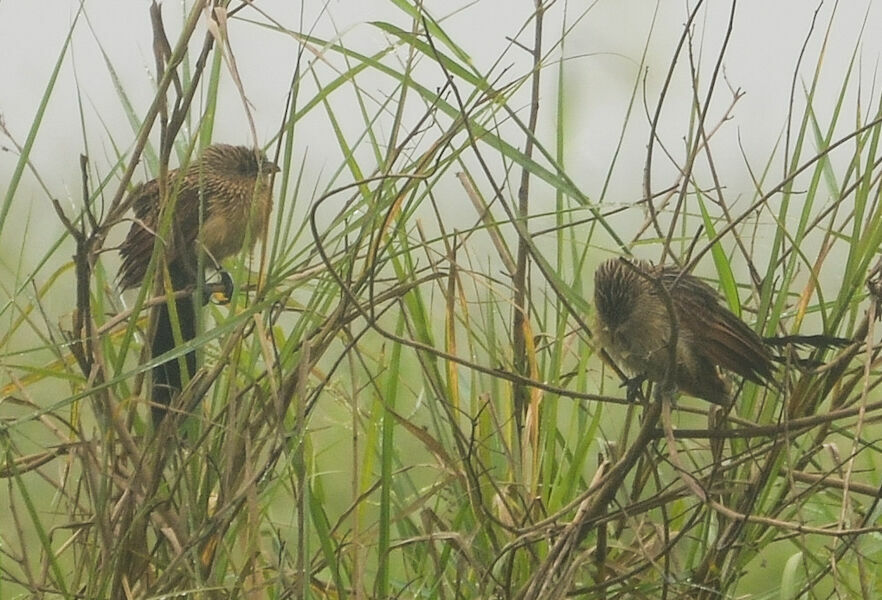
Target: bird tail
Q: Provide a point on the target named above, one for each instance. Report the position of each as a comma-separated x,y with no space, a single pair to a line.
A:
808,341
804,342
168,376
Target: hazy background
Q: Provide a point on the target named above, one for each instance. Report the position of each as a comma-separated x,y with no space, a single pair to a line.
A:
110,64
602,54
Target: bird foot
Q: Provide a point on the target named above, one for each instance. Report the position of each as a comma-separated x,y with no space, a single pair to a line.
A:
632,387
220,292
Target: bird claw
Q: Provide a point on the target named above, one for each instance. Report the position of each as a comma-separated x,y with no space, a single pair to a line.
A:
632,386
221,292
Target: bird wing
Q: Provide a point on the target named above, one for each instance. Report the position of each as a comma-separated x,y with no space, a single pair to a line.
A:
717,333
180,241
138,245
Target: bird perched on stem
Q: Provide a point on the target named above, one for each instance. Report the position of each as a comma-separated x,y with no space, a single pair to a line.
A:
221,200
634,325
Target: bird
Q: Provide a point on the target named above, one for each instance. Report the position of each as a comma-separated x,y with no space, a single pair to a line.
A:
633,325
222,199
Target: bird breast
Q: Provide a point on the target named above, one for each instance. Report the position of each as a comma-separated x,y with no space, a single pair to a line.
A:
247,201
640,341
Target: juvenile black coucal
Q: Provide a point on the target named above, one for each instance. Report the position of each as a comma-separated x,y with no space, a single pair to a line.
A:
634,325
222,199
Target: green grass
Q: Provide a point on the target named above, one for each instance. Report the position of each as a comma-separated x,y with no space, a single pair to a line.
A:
404,398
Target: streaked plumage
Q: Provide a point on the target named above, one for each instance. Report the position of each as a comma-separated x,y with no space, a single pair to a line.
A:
222,198
634,327
226,179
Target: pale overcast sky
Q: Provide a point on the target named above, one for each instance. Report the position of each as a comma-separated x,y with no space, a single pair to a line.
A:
603,50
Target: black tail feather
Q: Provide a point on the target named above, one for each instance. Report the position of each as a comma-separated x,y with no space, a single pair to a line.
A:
805,342
808,341
168,379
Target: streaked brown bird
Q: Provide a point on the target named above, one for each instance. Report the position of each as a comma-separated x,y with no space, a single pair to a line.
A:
634,326
222,199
